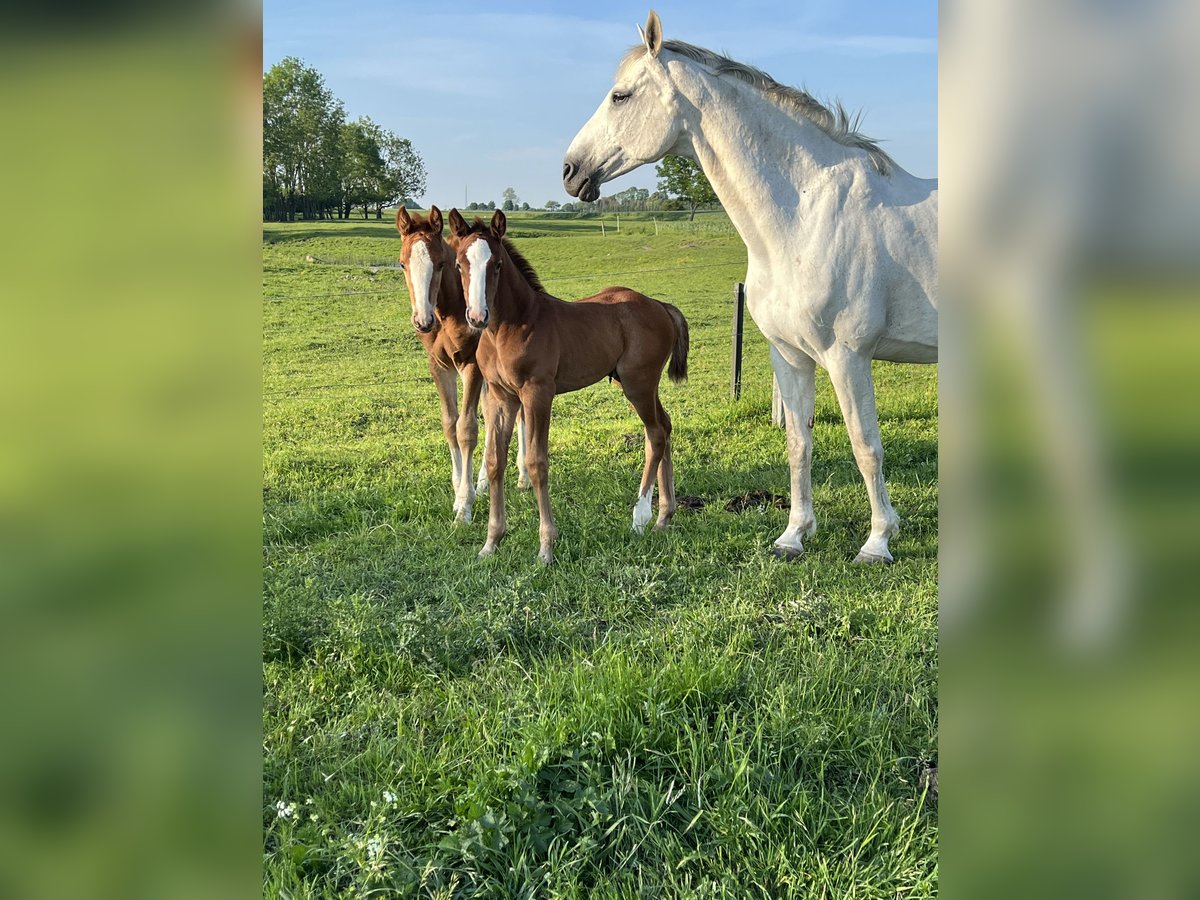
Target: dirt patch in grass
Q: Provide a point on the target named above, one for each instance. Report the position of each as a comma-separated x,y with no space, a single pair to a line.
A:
756,500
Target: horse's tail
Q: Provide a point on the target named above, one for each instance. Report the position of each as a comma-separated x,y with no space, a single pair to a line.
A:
677,367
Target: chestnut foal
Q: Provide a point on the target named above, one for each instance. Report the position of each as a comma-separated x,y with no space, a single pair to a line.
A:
536,346
439,315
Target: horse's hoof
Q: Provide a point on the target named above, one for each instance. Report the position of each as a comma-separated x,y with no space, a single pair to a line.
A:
786,553
463,517
481,488
638,528
873,559
662,526
486,552
546,556
524,484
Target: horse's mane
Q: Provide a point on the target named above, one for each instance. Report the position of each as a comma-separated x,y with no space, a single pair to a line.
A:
522,264
837,123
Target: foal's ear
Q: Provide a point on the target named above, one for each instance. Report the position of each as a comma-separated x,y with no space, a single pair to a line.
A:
499,224
458,225
404,222
435,220
652,34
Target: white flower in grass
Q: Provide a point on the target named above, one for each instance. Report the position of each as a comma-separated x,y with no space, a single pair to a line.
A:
374,848
389,797
285,810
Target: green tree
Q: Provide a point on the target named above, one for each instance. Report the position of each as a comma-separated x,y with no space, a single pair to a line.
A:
552,205
362,165
403,172
302,142
510,199
682,178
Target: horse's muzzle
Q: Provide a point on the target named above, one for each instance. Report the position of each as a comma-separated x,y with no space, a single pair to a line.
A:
423,327
477,323
579,185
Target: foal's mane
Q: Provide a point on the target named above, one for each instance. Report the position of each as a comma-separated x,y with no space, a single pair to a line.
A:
837,123
522,264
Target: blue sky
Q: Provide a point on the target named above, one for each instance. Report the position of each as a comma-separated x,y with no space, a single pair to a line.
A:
492,94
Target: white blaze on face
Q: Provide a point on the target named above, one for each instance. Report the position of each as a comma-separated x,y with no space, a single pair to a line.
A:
420,273
478,254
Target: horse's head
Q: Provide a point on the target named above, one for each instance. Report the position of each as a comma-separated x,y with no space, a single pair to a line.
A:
479,255
422,258
638,121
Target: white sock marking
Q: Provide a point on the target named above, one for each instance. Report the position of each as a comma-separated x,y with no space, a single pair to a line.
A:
641,512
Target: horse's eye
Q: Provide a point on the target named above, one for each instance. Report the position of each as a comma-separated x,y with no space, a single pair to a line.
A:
619,97
401,267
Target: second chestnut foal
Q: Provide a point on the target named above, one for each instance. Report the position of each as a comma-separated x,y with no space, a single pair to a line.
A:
534,346
439,316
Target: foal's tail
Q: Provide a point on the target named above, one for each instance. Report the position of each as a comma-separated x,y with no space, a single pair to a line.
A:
677,368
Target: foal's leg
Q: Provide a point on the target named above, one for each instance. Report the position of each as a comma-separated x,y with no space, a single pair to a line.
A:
796,377
855,388
481,485
446,381
502,409
468,436
522,469
536,400
642,391
666,474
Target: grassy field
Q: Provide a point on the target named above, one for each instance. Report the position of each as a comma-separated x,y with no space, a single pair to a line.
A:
670,715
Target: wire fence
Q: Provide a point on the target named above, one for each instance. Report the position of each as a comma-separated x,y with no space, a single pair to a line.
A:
315,391
401,286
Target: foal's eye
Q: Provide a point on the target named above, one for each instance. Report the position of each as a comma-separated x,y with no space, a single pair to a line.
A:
401,266
620,96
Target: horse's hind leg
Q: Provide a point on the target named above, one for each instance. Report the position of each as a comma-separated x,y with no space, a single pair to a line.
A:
643,394
481,485
523,481
666,474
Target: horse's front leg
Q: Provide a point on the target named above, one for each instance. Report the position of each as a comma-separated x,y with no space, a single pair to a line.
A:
796,376
446,381
468,436
522,467
502,410
855,389
536,401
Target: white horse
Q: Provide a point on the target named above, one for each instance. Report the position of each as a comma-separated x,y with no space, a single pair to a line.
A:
842,242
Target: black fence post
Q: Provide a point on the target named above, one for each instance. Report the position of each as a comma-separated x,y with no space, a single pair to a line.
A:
739,317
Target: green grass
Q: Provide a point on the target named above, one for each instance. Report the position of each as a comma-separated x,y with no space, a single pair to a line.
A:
674,715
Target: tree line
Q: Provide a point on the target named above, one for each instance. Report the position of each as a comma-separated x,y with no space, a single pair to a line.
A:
317,165
682,185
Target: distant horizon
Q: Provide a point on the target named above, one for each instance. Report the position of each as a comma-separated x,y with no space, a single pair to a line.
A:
504,117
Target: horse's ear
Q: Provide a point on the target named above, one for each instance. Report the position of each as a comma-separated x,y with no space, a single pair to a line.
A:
435,220
404,221
458,225
652,35
499,224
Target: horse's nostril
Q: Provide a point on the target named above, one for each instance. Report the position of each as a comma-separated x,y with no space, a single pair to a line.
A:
568,169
